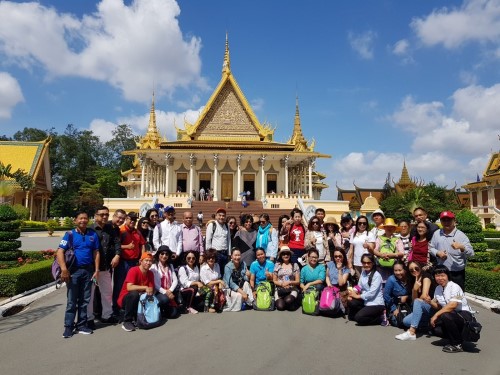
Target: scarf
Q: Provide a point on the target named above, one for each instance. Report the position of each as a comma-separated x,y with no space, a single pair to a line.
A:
166,280
263,236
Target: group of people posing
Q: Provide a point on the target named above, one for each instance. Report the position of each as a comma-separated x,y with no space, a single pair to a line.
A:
382,274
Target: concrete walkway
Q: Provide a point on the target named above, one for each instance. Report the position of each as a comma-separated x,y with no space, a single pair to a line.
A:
246,342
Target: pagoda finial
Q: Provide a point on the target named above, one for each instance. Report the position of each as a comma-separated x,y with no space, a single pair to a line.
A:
405,176
152,138
226,65
297,137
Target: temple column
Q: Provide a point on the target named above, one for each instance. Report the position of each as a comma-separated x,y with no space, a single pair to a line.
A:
311,164
192,164
216,177
262,161
285,165
142,160
146,177
31,206
238,178
168,161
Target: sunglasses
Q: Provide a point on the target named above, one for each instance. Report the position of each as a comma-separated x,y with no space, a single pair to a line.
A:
190,258
338,256
163,253
210,258
366,263
232,223
415,269
362,223
315,223
153,215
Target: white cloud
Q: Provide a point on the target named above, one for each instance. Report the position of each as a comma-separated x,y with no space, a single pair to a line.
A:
129,47
103,129
165,122
257,104
402,49
474,21
10,94
363,43
418,118
478,105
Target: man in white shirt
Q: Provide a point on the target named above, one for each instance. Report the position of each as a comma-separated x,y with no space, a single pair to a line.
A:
168,233
218,237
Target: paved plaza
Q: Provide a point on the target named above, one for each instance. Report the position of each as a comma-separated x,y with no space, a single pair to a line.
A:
247,342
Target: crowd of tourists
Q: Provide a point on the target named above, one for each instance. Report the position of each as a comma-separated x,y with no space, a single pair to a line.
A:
409,274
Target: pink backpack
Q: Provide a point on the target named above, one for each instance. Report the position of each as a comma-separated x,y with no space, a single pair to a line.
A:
330,301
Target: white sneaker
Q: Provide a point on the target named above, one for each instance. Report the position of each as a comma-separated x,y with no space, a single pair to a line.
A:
406,336
192,311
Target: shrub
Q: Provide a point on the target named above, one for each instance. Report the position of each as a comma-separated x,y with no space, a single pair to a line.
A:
68,222
491,226
475,237
51,224
483,283
480,257
495,256
493,244
479,246
21,279
22,212
491,234
486,266
34,224
9,244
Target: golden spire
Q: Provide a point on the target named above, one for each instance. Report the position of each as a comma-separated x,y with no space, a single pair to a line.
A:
152,138
226,65
297,137
405,176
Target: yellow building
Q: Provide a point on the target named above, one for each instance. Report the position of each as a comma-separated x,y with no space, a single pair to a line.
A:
33,158
228,151
484,194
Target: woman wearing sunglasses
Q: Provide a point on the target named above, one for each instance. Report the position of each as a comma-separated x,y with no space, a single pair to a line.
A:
316,238
166,281
367,306
189,280
423,289
360,244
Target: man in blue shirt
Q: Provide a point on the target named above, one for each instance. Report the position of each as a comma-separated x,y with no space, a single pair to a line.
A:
79,275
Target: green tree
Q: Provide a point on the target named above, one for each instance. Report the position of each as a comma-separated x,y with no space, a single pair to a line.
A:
123,140
470,224
433,198
89,198
33,134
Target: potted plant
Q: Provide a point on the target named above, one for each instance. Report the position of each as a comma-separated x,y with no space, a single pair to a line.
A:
51,224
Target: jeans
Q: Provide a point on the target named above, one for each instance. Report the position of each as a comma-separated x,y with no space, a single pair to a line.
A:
420,316
222,259
78,294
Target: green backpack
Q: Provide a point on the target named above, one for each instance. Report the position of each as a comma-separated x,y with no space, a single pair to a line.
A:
387,246
264,300
310,302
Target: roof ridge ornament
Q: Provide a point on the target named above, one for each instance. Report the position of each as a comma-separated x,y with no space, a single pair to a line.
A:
226,65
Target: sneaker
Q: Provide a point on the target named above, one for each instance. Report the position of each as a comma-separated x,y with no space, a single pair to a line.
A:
453,348
406,336
111,320
91,324
84,330
384,322
192,311
128,326
68,332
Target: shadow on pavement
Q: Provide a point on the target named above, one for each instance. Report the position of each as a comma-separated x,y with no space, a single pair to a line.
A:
14,322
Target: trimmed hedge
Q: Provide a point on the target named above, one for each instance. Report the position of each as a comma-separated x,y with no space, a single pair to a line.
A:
482,283
7,236
9,255
481,257
10,225
7,213
479,246
9,245
493,244
475,237
491,233
21,279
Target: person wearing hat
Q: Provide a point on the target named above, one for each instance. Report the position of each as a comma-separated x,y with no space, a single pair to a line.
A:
286,278
168,233
333,235
388,248
378,218
451,247
347,230
139,280
218,237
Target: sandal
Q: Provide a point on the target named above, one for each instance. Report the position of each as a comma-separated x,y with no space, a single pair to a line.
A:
453,348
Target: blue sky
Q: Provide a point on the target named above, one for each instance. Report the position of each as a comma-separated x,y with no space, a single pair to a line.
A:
378,82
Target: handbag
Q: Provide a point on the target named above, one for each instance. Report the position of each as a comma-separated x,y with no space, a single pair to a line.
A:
472,328
404,310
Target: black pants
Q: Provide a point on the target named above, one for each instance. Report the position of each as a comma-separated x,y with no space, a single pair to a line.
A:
458,277
222,259
452,325
365,315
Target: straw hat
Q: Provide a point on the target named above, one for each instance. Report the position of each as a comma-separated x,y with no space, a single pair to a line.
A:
389,222
330,220
284,249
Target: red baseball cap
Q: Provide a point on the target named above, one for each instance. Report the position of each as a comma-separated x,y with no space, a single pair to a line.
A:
447,214
221,210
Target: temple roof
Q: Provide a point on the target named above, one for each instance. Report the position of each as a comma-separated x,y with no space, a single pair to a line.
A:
491,173
29,157
297,138
152,137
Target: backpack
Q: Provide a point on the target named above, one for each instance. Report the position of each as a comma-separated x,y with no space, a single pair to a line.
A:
387,246
310,303
330,301
219,300
69,257
148,312
264,300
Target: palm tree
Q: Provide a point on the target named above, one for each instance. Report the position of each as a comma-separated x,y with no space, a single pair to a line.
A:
7,189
